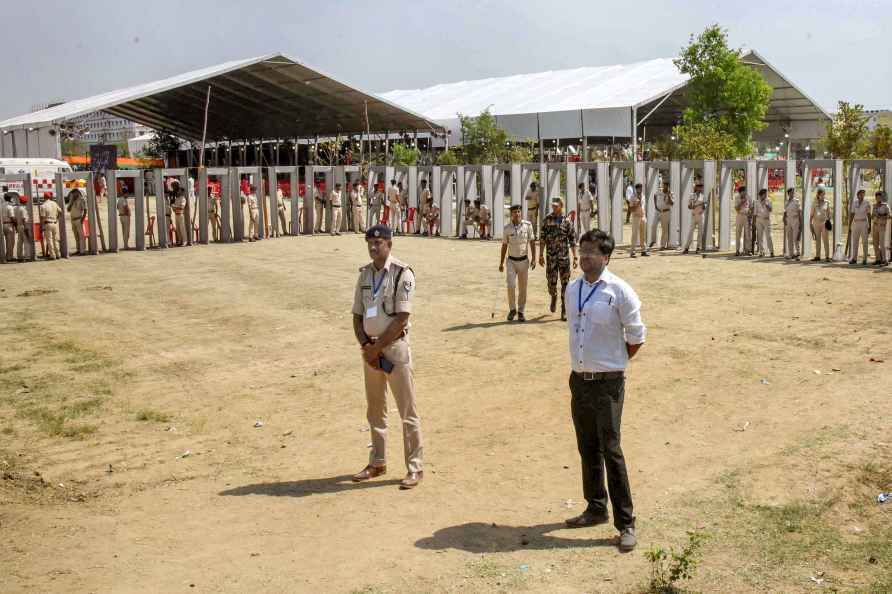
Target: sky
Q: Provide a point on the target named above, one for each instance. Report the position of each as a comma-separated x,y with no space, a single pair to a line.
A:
832,50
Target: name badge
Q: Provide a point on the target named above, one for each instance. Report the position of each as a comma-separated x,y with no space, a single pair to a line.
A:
371,312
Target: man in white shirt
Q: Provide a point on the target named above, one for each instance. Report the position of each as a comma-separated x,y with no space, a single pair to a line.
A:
860,226
586,206
630,191
605,332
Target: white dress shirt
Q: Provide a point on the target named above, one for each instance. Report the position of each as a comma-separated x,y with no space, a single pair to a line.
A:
609,319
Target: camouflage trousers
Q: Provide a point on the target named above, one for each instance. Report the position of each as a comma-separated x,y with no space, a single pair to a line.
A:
557,267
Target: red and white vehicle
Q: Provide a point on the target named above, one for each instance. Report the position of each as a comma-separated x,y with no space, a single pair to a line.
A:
43,177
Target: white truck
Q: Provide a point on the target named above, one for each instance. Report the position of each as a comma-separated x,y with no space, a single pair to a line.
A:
43,177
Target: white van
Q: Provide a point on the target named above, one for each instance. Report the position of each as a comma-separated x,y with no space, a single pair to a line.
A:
43,176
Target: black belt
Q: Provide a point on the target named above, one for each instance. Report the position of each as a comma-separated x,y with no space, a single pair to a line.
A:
521,259
53,221
599,377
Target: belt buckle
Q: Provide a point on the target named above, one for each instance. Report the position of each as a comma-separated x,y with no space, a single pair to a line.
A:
588,376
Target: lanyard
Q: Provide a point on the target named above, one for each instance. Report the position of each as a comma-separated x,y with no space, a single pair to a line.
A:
586,300
377,284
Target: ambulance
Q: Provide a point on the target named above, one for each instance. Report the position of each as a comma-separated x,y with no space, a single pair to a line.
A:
43,177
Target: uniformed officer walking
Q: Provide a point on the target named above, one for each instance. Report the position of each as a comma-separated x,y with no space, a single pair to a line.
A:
214,214
123,207
606,331
792,225
253,215
357,199
518,243
335,200
762,210
559,238
382,304
820,215
639,221
532,201
860,226
586,205
697,206
281,213
663,202
49,213
880,223
77,210
743,207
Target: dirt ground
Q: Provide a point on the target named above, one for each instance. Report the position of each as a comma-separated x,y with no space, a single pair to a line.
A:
131,384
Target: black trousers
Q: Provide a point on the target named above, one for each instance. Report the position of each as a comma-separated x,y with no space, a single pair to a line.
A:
597,408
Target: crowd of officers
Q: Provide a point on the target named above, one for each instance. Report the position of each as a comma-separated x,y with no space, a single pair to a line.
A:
390,207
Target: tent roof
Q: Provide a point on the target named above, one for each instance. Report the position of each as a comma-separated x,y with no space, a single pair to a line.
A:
589,88
272,96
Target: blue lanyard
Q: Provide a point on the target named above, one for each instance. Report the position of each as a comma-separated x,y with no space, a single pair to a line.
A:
592,292
377,285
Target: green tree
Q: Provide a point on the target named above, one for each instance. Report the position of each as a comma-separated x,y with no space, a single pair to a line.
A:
161,145
403,154
727,99
704,140
450,156
881,142
846,136
483,141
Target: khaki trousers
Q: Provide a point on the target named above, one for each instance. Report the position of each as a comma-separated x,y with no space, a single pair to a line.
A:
396,219
9,237
23,243
664,218
742,244
283,224
792,235
51,234
639,232
517,274
335,219
80,241
585,221
358,223
402,383
215,226
879,241
252,224
319,213
533,217
821,235
696,226
125,229
859,234
179,228
763,236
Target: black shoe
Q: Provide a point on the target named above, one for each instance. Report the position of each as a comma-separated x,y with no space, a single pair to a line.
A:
553,305
520,317
853,261
511,315
632,255
684,251
645,254
563,312
815,259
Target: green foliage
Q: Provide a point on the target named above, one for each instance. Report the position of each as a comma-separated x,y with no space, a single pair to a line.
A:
665,148
727,99
881,142
482,138
668,567
519,153
161,144
846,135
450,156
402,154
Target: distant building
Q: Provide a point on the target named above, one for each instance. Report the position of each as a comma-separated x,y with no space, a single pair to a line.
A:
878,116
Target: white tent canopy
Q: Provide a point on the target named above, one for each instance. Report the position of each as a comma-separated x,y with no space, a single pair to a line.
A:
600,101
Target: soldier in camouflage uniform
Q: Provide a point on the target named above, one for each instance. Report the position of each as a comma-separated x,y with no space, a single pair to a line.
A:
559,238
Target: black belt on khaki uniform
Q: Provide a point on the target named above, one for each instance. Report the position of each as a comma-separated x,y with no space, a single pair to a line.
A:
600,376
51,221
520,259
403,334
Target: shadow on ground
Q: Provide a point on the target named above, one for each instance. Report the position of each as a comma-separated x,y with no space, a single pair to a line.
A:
334,484
479,537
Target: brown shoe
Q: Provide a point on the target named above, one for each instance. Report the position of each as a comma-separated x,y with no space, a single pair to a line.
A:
369,472
412,479
586,519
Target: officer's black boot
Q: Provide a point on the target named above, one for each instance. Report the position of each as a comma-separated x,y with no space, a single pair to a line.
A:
553,303
563,311
511,315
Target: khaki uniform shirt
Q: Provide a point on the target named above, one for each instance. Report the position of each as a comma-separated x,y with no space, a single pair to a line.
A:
742,204
252,203
483,213
8,213
378,308
793,210
123,207
586,202
355,198
697,204
335,198
393,197
861,210
77,208
532,199
280,200
517,238
881,212
662,201
22,215
821,211
636,204
179,205
49,211
763,209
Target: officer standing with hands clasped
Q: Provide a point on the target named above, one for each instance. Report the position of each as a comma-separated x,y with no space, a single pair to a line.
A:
382,304
606,331
519,245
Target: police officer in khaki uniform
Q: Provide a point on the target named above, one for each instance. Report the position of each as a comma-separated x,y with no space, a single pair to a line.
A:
663,202
697,206
382,304
426,201
518,243
743,207
880,222
763,223
639,221
335,200
123,207
253,215
24,223
820,214
357,200
319,212
214,214
77,210
532,202
860,226
792,225
7,218
49,213
179,216
281,213
586,207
